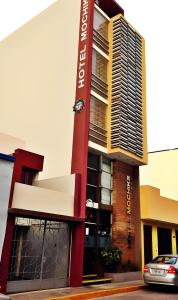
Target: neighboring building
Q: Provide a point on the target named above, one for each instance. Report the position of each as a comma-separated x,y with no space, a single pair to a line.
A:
73,88
159,204
37,243
161,172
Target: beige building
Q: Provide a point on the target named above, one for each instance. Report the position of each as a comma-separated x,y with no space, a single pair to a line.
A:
37,67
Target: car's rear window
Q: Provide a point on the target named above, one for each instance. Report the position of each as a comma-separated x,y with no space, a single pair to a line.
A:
170,260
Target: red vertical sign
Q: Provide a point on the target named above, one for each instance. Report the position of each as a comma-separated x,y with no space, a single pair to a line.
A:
83,82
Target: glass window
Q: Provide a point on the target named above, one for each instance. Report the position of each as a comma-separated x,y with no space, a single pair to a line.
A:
99,179
93,161
106,180
91,193
92,177
91,215
99,66
28,175
106,165
165,259
105,196
100,24
105,223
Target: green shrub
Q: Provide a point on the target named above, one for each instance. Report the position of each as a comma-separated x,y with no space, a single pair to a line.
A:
111,256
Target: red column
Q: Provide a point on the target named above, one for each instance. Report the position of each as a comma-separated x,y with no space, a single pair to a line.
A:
4,265
77,251
80,136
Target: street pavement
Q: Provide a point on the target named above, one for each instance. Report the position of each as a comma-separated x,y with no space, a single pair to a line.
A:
154,293
133,290
4,297
80,293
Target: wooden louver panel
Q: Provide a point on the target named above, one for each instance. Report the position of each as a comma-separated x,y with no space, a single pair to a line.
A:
126,102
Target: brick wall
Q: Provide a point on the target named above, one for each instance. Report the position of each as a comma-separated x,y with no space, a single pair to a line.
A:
126,227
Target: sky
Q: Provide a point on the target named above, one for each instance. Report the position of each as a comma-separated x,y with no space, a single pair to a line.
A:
157,22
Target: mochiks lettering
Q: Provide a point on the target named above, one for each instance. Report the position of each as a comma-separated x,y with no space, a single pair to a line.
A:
128,196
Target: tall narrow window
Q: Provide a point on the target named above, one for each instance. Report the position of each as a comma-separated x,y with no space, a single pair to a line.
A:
106,181
92,178
99,179
100,31
104,231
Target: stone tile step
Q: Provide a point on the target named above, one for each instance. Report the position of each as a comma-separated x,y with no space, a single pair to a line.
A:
89,276
96,281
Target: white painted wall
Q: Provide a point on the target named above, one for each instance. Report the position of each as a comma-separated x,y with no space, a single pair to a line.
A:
38,65
43,200
9,143
6,169
65,184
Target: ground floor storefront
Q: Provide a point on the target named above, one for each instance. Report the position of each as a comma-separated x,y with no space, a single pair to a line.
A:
159,224
42,226
159,239
112,213
39,256
40,253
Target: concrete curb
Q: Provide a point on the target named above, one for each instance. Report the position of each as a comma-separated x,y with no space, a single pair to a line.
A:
100,293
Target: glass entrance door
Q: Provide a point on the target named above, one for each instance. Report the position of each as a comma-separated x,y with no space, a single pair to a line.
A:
39,255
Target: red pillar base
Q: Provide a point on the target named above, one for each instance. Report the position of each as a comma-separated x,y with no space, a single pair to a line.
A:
77,251
4,264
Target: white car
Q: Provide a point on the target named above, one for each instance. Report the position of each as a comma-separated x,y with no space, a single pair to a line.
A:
162,270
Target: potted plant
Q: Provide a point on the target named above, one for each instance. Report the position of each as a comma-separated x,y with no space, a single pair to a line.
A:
110,257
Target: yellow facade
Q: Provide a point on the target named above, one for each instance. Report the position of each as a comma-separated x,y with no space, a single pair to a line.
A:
158,212
162,173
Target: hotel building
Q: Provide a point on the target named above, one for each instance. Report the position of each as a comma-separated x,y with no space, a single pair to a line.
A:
73,90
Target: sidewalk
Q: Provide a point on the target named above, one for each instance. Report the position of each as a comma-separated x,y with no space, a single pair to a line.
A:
81,293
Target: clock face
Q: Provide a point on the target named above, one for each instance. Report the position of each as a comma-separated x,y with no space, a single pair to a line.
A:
79,105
